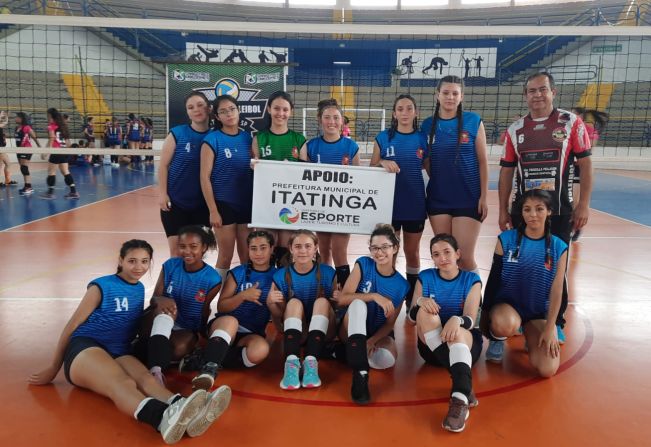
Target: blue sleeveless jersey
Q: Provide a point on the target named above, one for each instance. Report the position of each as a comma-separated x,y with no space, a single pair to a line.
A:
183,185
394,287
134,131
454,174
304,286
189,290
340,152
526,280
232,177
408,150
450,294
113,135
146,134
249,315
115,322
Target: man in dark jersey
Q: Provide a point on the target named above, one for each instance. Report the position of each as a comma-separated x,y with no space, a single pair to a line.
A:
541,146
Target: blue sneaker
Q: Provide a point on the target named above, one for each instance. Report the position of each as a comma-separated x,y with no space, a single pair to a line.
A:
560,334
290,379
311,373
495,351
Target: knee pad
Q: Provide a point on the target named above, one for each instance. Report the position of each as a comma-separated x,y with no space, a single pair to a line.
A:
51,180
68,179
382,358
24,170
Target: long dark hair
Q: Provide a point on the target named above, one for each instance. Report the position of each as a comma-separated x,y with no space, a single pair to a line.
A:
435,117
60,122
599,118
270,239
24,118
546,198
134,244
289,261
215,107
266,123
394,120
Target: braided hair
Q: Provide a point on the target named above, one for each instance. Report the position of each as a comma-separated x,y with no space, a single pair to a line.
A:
394,120
546,198
450,80
290,262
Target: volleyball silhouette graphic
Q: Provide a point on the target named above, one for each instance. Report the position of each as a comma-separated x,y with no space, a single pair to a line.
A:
227,87
285,216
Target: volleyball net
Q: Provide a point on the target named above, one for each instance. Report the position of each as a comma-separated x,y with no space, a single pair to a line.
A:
109,67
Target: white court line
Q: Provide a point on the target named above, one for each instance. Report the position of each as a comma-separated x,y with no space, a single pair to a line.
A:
74,209
620,218
38,299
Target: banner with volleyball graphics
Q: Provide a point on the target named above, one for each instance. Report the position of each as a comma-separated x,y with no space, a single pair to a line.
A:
321,197
250,84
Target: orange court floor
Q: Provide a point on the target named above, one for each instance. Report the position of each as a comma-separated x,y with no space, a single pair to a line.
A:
601,395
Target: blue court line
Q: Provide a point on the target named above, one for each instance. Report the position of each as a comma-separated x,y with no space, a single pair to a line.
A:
93,183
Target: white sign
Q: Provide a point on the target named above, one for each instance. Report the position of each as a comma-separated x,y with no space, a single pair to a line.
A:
321,197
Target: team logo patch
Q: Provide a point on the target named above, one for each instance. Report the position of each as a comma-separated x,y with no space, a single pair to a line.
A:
420,152
559,134
227,86
200,297
295,152
345,160
286,217
465,137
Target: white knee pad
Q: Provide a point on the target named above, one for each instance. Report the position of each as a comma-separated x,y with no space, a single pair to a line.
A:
357,312
293,323
162,325
319,323
382,358
221,334
433,339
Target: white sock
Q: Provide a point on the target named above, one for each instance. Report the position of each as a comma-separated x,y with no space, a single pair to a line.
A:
319,323
163,325
433,339
460,353
412,270
170,401
248,363
357,312
293,323
221,334
460,396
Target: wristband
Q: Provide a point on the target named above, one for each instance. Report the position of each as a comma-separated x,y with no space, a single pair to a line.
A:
465,321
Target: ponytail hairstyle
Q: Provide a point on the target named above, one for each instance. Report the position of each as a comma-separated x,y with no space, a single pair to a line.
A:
24,118
134,244
394,120
60,122
270,239
450,79
599,118
290,261
387,231
327,104
215,107
444,237
546,198
204,233
266,125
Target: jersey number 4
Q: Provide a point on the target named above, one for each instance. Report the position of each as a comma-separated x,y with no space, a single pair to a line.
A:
121,305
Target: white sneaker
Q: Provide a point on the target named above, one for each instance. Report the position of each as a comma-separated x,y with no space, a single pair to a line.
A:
179,414
216,404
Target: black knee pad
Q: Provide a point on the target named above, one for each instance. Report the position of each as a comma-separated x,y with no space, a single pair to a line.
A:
68,179
356,353
461,378
51,180
24,170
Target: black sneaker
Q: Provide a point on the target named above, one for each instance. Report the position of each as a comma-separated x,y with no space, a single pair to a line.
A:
206,378
192,361
359,390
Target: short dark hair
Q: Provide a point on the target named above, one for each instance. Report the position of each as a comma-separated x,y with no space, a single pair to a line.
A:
546,74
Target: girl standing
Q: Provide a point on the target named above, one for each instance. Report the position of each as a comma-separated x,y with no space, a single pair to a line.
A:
24,135
58,136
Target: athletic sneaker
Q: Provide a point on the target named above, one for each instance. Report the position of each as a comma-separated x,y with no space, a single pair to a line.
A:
290,378
115,165
12,183
455,421
560,334
311,373
179,414
26,191
206,378
216,404
158,375
495,351
359,392
192,361
472,400
48,196
71,195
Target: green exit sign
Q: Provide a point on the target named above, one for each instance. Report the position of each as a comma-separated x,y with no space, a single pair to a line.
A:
607,49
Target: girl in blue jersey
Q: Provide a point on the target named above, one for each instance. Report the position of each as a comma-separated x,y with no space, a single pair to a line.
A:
374,294
134,127
458,183
237,334
113,138
299,294
227,182
445,310
525,285
147,141
403,149
180,305
180,198
332,148
94,350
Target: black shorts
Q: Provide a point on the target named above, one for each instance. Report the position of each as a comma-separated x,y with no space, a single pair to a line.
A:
230,215
24,156
561,225
177,218
90,139
441,355
75,346
58,159
456,212
410,226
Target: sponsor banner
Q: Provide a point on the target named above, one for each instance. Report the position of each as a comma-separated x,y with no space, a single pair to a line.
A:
251,85
321,197
435,63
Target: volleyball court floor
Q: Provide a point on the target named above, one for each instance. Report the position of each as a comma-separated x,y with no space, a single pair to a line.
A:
50,250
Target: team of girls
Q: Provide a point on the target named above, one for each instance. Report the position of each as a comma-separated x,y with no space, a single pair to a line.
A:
95,351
